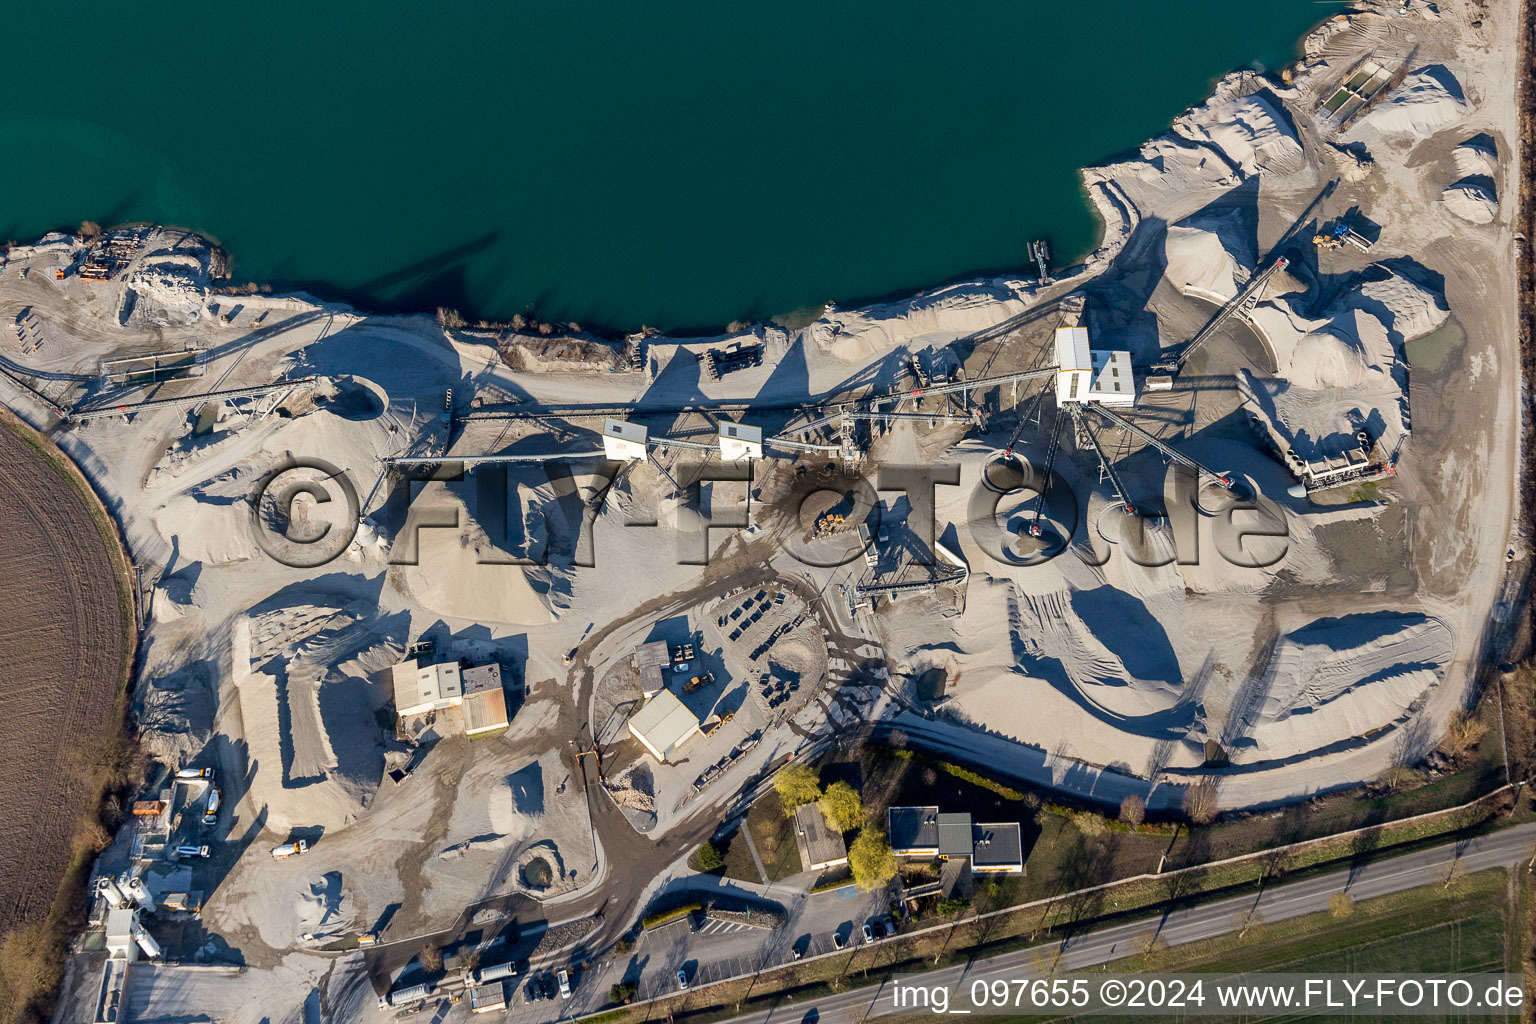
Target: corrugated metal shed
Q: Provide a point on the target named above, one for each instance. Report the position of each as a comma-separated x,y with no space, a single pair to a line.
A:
485,712
663,724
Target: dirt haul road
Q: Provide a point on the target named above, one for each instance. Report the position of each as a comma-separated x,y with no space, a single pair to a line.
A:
62,653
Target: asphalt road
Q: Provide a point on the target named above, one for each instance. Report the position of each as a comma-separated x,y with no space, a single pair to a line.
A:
1210,920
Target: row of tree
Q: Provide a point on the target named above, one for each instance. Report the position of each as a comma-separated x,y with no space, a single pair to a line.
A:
869,855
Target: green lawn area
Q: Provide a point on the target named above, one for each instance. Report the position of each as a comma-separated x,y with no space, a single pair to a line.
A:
774,835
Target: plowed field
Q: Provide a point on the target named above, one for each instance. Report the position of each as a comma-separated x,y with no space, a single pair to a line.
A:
63,639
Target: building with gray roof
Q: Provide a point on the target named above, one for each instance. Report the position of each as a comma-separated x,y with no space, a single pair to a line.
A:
929,832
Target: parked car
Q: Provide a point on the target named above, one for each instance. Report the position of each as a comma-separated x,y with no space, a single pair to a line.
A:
564,978
550,988
837,940
869,934
682,979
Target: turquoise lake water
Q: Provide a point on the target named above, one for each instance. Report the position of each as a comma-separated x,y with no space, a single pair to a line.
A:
677,164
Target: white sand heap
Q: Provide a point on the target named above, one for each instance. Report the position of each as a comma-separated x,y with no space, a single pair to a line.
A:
1473,197
204,529
175,596
516,806
1280,321
1239,132
1474,158
305,678
1108,645
321,907
1210,253
1343,371
175,711
1335,357
461,572
1353,162
496,808
1248,131
1428,100
1472,201
936,317
1337,679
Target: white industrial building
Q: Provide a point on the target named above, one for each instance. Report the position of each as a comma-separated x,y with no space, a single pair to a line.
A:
663,725
422,688
624,441
1085,374
739,442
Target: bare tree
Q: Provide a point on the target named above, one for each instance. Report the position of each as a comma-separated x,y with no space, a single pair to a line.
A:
1461,734
1133,810
1200,801
431,957
1088,823
105,760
